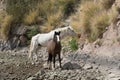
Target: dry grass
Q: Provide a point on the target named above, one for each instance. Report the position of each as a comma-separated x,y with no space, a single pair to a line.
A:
106,4
88,10
75,22
113,13
92,18
53,21
6,26
98,24
46,28
31,18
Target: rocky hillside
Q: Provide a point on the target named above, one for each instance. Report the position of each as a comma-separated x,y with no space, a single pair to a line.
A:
95,61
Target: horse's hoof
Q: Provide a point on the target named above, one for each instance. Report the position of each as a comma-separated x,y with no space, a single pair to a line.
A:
53,69
45,66
60,68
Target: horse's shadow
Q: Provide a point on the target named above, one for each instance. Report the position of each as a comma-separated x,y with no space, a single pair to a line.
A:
71,66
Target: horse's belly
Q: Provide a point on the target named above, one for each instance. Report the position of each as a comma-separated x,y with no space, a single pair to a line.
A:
44,44
43,41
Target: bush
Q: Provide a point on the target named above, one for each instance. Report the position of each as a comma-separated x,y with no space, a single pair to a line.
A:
68,6
6,26
73,44
54,19
107,4
31,18
88,10
98,24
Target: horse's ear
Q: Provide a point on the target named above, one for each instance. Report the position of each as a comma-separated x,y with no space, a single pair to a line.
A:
55,33
59,32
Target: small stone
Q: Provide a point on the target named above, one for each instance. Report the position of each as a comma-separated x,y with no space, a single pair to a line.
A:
1,61
41,72
88,66
31,78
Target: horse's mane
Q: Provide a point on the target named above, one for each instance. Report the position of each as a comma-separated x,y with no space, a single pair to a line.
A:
61,29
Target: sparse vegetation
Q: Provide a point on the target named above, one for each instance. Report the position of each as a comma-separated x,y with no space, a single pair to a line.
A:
90,19
33,32
73,44
31,12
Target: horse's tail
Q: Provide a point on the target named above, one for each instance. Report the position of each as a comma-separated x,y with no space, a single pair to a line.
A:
31,48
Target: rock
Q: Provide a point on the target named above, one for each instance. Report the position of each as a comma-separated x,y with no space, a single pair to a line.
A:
118,65
1,61
41,72
70,66
88,66
78,56
89,48
31,78
45,65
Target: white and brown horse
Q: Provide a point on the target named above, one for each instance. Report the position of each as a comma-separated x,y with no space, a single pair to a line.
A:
43,39
54,49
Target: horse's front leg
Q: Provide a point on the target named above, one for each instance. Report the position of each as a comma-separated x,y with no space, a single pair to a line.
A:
59,60
54,62
50,60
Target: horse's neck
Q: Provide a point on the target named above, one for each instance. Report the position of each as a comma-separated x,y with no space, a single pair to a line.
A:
64,32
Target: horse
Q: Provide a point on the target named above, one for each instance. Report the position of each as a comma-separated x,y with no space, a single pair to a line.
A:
43,39
54,49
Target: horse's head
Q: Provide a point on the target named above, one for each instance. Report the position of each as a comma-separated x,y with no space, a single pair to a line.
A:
71,31
57,36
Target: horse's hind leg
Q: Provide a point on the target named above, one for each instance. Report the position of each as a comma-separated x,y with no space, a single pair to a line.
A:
36,57
30,57
32,50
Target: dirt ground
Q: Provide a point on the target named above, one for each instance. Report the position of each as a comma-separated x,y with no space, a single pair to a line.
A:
16,66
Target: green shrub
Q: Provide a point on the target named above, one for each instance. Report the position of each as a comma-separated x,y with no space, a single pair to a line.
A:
32,32
73,44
